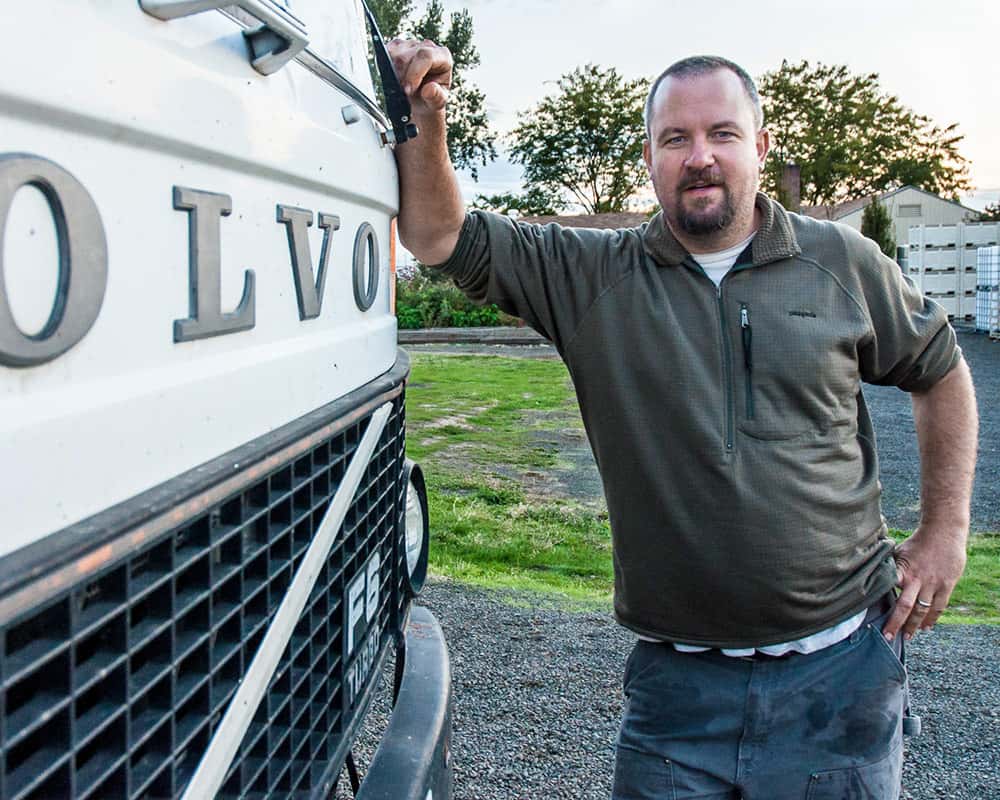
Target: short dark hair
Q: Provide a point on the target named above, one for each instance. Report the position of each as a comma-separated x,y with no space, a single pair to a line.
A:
691,67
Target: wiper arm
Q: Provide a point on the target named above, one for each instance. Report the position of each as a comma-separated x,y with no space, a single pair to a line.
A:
397,105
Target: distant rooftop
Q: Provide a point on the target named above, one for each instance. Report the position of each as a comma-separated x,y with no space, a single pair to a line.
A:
840,210
624,219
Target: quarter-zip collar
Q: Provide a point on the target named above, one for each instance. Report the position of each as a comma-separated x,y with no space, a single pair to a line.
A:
773,241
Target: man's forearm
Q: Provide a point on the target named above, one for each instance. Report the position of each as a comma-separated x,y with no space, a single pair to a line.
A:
431,211
947,431
931,561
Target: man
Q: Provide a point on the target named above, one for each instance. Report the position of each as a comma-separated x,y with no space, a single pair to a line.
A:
717,355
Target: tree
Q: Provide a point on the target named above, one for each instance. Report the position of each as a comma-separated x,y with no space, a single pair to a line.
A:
471,143
534,202
876,224
584,142
390,15
991,213
852,139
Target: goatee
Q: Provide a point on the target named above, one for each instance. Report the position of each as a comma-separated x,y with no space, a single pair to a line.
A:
699,223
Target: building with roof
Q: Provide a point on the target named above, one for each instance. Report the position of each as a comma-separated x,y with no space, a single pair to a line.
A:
906,205
607,221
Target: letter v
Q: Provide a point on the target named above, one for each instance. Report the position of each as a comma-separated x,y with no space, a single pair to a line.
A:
308,288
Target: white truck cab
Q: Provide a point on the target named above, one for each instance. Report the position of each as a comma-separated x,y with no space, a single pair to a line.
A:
211,536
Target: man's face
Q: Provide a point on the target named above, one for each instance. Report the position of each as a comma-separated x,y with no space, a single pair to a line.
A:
704,154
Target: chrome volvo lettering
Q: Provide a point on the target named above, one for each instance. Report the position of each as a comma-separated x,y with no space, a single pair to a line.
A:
206,317
365,267
83,261
308,287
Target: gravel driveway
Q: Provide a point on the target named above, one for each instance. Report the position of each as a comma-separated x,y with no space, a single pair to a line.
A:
899,460
537,693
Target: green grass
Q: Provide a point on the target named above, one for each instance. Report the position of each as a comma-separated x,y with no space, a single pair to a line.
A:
469,423
489,537
483,403
477,425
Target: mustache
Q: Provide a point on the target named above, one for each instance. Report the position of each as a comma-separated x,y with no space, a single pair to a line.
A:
709,177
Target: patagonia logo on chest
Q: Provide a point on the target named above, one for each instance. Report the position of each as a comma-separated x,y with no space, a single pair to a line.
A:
802,312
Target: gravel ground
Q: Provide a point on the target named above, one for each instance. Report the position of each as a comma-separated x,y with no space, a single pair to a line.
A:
537,693
899,459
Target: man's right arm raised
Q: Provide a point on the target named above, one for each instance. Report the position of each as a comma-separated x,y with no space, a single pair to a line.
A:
431,211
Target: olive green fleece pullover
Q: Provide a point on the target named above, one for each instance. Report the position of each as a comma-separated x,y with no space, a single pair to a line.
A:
737,454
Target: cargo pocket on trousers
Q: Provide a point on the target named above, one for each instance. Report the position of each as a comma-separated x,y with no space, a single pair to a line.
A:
879,780
642,776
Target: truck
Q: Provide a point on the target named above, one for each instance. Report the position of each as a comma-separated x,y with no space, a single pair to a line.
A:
212,538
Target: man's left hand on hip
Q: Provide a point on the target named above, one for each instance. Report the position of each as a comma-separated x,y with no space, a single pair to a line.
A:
928,565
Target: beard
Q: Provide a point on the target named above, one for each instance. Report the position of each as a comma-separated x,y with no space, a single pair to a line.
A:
704,218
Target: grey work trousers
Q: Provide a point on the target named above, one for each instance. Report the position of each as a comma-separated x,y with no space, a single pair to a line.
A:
822,726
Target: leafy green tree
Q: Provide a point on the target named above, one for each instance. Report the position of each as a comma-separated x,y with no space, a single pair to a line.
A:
853,139
876,224
471,142
584,142
991,213
534,202
390,15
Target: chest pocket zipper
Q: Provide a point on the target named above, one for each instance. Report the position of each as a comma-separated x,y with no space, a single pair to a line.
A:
746,334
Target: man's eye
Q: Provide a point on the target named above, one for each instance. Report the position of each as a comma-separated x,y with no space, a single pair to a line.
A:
724,134
673,141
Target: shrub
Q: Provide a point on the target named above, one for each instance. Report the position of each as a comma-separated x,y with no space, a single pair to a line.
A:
426,301
876,224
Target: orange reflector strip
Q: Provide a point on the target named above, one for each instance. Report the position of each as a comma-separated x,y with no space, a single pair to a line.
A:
392,266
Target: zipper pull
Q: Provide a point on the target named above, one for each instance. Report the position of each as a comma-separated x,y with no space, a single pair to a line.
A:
747,336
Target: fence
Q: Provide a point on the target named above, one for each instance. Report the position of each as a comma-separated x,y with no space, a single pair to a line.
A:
988,291
943,262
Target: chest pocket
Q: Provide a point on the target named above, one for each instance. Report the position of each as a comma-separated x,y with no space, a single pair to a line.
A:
795,334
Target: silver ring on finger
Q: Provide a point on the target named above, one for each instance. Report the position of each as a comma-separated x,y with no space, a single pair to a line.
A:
923,603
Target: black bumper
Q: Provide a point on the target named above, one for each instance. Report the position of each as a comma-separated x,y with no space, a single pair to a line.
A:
413,760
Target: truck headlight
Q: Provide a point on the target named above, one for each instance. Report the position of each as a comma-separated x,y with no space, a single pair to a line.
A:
417,528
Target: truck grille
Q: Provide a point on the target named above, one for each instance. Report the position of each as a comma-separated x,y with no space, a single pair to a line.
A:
115,687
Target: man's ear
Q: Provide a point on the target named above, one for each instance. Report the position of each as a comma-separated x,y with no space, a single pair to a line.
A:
647,156
763,145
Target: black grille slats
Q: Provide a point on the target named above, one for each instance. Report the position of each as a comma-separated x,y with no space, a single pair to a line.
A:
114,688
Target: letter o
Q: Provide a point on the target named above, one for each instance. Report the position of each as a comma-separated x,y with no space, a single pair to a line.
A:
365,267
83,261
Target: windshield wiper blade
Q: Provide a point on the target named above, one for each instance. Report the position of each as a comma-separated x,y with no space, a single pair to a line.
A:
397,105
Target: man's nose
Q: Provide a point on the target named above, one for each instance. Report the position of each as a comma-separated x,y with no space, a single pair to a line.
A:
700,155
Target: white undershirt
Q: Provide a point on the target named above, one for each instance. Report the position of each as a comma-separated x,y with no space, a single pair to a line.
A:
807,644
716,265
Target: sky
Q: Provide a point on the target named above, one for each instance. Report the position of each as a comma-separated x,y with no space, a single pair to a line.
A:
938,58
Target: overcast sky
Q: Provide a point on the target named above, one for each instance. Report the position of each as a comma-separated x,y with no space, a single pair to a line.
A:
939,58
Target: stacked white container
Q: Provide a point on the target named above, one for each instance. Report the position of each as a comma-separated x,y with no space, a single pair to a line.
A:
988,291
942,261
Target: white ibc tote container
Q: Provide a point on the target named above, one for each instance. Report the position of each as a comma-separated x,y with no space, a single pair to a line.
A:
942,263
988,291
